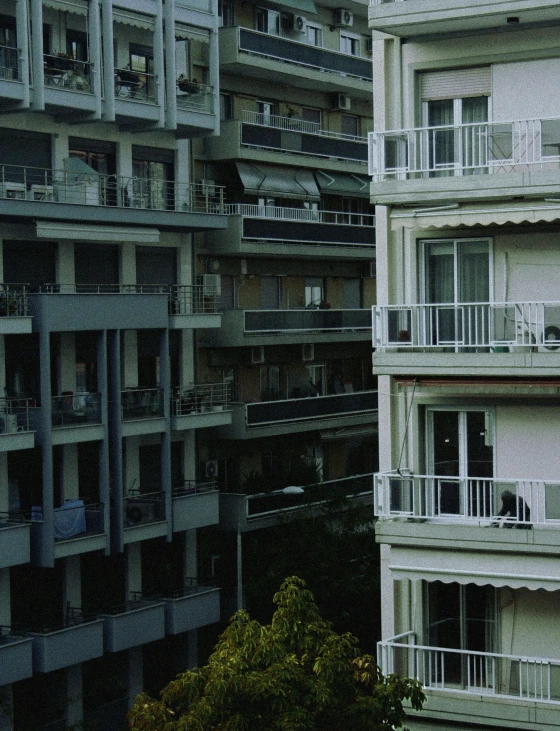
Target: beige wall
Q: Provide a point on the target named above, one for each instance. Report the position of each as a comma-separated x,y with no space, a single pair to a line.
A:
529,623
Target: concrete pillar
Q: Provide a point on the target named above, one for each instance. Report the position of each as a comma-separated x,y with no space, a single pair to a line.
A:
159,63
22,26
94,32
74,704
124,162
70,479
387,594
65,268
189,455
67,362
4,484
132,464
59,149
214,66
6,723
190,554
2,366
128,262
72,583
135,673
171,71
130,359
108,112
1,260
133,581
186,358
185,274
5,611
38,101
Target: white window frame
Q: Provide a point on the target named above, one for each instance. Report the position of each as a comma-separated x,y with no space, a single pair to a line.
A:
272,18
344,35
317,27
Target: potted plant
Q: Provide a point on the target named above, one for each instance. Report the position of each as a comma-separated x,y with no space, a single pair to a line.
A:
190,86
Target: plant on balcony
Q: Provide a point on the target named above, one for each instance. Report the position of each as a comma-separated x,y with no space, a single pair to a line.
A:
62,61
294,673
190,86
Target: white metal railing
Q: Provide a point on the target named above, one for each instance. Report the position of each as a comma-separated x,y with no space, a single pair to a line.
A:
518,677
294,125
465,149
18,182
193,299
65,72
14,415
253,210
200,100
198,398
500,326
471,500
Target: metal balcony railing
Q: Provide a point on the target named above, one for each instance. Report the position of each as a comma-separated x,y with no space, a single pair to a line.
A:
201,100
13,300
11,518
198,398
192,487
532,679
500,326
193,299
10,64
15,415
143,508
19,182
71,409
307,319
466,149
68,73
192,585
466,500
76,519
280,213
141,403
278,502
136,86
303,54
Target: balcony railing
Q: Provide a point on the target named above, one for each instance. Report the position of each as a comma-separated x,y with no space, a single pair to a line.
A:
198,398
533,679
18,182
74,409
141,403
143,508
302,54
193,299
262,413
135,86
308,319
76,519
14,415
278,502
500,326
13,300
192,487
305,215
465,149
468,500
10,65
68,73
201,100
269,132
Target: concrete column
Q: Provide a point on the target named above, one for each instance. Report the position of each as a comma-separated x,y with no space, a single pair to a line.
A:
2,366
67,362
115,489
170,68
72,583
1,260
22,25
133,581
132,462
74,704
214,66
186,358
387,594
128,263
135,673
65,268
43,552
70,480
104,473
4,484
124,162
94,32
59,150
159,63
38,101
185,274
130,359
190,553
385,406
5,611
108,112
189,455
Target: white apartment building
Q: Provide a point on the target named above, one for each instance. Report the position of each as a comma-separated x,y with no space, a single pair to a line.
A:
465,159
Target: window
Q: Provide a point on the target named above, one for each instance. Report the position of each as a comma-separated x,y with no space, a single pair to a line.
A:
314,291
226,107
311,114
151,185
77,44
268,21
316,375
142,61
350,44
225,12
271,383
314,34
350,125
101,156
8,48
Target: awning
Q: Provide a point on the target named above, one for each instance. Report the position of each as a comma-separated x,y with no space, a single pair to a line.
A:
515,570
67,6
137,20
356,186
300,6
83,232
262,179
449,217
193,34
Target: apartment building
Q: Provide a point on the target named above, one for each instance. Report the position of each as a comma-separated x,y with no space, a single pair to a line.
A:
466,173
100,496
296,261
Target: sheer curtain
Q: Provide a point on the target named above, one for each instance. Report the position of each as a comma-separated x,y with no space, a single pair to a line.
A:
474,112
441,142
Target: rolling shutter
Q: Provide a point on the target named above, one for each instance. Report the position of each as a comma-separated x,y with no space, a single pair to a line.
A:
456,83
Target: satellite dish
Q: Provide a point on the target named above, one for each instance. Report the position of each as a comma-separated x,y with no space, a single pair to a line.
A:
293,490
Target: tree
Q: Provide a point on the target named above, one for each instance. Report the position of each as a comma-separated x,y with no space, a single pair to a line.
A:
295,674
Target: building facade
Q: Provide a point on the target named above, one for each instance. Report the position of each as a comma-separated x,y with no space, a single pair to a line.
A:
466,175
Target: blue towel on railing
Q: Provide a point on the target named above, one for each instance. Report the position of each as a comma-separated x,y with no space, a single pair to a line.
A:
70,519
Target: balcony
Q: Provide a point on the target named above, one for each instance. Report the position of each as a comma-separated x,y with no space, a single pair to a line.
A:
68,85
134,623
469,162
195,505
76,418
193,306
269,418
486,677
300,232
144,516
246,52
416,18
262,510
285,327
78,193
497,338
255,139
16,427
78,641
142,411
79,527
194,606
11,83
16,657
15,535
201,405
15,318
195,110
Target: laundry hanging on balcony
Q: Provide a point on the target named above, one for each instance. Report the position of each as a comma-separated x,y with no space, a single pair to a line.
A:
273,180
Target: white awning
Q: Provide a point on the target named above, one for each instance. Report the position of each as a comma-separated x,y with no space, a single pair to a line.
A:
192,34
468,216
83,232
515,570
138,20
67,6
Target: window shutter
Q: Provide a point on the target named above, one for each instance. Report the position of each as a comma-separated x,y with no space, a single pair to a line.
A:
455,83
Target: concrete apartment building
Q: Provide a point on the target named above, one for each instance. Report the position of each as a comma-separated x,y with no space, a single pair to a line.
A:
465,160
170,297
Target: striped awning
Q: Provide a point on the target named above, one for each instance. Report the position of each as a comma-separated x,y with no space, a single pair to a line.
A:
67,6
470,216
137,20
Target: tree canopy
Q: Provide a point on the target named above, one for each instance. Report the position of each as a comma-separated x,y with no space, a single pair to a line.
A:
294,674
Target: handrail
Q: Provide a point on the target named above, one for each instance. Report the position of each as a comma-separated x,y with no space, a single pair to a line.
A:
292,124
336,218
192,487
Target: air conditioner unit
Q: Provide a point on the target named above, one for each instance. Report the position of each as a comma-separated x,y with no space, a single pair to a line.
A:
257,354
343,18
308,351
211,469
341,102
369,45
299,23
551,335
211,285
287,21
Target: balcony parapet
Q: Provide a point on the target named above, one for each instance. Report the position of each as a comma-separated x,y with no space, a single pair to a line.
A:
16,656
194,606
199,405
303,215
195,504
307,319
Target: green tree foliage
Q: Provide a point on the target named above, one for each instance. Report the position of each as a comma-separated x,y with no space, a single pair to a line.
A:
294,674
